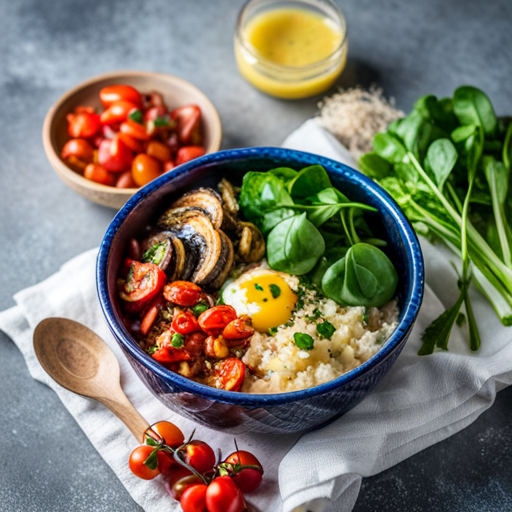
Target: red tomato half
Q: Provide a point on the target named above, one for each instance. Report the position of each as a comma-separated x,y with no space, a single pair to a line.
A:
115,155
188,119
231,373
99,174
193,499
183,293
115,93
185,323
171,355
83,124
117,112
200,456
223,495
237,330
213,320
143,282
187,153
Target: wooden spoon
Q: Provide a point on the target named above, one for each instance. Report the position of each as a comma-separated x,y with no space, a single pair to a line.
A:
82,362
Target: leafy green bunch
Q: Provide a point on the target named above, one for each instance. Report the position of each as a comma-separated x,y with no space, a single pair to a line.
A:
447,164
313,229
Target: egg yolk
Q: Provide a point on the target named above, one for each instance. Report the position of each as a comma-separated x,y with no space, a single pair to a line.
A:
274,297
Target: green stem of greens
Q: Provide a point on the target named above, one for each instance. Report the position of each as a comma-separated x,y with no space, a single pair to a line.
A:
353,231
345,228
454,196
307,207
500,225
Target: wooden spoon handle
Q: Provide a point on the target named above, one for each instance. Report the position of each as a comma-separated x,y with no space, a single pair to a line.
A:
126,412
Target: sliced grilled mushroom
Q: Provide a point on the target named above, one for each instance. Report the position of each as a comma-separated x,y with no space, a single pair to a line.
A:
251,247
229,223
228,255
180,258
228,196
194,228
205,198
166,250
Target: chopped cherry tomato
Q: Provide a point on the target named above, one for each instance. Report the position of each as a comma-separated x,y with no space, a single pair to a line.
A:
145,169
159,151
187,153
126,180
231,374
81,149
110,131
169,166
183,293
83,124
169,432
184,483
137,459
134,144
193,498
188,119
171,355
115,155
143,282
223,495
117,112
200,456
185,323
247,479
237,330
134,129
213,320
114,93
194,343
99,174
152,113
81,108
148,320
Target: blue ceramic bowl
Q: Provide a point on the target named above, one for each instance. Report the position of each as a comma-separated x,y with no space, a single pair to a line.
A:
297,411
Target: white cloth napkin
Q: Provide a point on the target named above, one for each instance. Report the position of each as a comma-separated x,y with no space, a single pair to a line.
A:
421,401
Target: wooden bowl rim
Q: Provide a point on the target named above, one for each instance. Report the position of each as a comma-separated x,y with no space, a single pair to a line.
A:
72,175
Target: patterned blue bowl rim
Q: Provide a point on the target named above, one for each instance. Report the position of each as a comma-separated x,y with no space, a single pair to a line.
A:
413,255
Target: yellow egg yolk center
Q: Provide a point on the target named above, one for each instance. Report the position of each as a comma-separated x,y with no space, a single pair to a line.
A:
274,297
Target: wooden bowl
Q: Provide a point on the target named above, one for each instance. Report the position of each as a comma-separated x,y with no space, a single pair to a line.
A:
176,92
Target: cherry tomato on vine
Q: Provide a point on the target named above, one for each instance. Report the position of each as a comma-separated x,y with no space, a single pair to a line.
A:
137,459
200,456
187,153
117,112
114,93
189,124
184,483
175,474
193,499
143,282
247,479
99,174
183,293
223,495
83,124
115,155
165,462
214,320
185,323
231,374
145,169
172,435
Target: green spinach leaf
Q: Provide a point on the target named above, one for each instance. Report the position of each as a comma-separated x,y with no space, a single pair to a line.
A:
472,106
309,181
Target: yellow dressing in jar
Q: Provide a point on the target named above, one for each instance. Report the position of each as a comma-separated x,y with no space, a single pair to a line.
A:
293,51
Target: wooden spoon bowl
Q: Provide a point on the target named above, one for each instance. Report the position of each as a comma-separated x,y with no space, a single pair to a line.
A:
79,360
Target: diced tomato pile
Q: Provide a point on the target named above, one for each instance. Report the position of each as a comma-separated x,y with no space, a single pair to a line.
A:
191,472
179,325
134,140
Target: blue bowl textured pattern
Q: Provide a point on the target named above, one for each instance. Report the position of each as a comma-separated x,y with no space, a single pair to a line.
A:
297,411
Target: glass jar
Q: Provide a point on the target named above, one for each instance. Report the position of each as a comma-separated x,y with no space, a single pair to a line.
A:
272,71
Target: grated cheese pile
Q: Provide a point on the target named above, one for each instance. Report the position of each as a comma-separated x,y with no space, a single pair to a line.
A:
354,116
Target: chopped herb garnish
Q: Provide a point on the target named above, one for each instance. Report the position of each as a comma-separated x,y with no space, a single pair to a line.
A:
258,287
200,308
303,341
275,290
325,329
161,121
272,331
155,254
151,350
265,299
177,340
220,301
136,115
365,318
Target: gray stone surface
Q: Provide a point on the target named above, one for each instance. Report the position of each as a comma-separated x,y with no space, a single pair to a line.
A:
408,47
